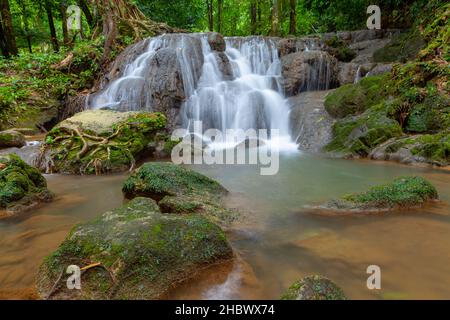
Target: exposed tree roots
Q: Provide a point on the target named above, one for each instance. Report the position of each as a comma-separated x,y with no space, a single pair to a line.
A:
97,148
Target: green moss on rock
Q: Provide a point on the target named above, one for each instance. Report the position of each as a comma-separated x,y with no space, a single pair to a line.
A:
147,253
404,192
401,48
21,186
11,138
314,288
359,134
353,99
95,142
339,49
178,190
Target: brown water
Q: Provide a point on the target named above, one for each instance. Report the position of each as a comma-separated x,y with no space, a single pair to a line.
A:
276,240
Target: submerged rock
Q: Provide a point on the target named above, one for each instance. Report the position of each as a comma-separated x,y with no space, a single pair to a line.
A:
314,288
11,138
308,71
22,187
139,253
95,142
178,190
402,193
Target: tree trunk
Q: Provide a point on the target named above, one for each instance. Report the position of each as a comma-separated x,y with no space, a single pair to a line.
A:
253,17
25,16
3,43
259,10
219,15
51,25
109,29
8,30
209,4
293,17
63,8
85,8
275,18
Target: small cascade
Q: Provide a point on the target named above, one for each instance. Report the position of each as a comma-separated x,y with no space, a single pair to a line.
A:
251,100
236,89
357,75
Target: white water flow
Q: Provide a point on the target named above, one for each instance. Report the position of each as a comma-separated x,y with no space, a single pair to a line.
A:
245,96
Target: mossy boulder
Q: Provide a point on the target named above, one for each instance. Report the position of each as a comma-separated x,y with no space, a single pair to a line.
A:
353,99
432,149
11,138
314,288
100,141
339,49
402,193
21,186
358,135
402,47
178,190
141,254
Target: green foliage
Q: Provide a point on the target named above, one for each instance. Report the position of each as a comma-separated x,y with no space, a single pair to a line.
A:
184,14
434,147
402,192
313,16
32,87
401,48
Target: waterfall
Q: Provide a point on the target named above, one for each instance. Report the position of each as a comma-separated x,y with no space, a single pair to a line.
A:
357,75
236,89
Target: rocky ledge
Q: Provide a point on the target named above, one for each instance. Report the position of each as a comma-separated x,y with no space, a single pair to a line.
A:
21,187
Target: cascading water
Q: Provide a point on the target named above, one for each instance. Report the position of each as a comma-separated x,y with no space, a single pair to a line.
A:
236,89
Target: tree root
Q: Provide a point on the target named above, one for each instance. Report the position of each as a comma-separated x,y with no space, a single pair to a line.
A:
91,145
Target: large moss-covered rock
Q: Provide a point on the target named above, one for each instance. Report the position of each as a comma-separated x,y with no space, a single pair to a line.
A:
21,186
352,99
11,138
142,254
358,135
178,190
402,193
99,141
314,288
